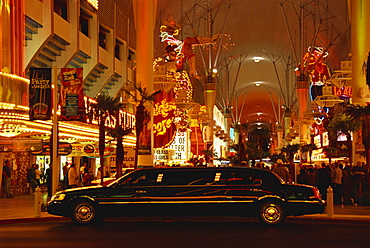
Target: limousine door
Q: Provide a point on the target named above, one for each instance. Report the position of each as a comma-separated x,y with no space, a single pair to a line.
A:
242,189
185,192
128,197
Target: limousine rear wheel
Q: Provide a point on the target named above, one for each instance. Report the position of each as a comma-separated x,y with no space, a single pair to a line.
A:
84,212
271,213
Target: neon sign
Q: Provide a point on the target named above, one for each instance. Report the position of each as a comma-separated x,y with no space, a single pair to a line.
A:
164,119
344,91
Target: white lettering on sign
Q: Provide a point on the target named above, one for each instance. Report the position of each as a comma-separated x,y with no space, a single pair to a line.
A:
160,154
180,145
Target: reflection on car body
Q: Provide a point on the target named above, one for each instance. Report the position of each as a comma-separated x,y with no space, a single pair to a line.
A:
108,180
225,191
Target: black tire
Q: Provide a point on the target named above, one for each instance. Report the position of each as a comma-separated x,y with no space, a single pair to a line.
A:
271,213
84,212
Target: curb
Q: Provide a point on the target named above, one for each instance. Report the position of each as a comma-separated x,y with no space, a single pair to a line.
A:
341,218
32,220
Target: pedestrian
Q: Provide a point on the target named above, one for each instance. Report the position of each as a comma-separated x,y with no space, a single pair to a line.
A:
347,193
336,178
323,179
345,174
282,171
311,177
65,176
347,167
302,177
358,178
72,176
307,177
31,177
7,177
98,173
48,178
82,171
38,174
87,177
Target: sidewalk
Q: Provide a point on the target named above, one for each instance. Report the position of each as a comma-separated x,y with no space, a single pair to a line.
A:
22,208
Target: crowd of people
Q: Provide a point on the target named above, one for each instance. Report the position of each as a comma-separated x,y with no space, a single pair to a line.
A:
348,182
74,178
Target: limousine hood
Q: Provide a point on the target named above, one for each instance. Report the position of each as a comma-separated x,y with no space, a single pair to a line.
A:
81,189
69,194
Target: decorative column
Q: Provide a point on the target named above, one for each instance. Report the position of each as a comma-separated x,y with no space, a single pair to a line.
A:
280,132
360,41
302,94
287,123
227,117
144,12
210,98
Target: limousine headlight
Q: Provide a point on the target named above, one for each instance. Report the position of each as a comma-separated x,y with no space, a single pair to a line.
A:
58,197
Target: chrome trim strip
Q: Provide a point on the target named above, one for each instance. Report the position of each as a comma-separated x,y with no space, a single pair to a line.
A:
227,197
172,202
304,201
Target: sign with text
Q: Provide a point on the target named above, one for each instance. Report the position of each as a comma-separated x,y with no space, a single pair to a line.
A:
64,149
164,127
344,91
180,145
71,94
20,145
40,94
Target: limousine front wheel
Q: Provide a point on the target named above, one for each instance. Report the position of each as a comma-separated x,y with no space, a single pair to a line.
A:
83,212
271,213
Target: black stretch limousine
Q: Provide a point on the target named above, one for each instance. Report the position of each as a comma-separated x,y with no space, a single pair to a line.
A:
228,191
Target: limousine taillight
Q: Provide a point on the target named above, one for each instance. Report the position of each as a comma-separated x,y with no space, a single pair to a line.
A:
316,193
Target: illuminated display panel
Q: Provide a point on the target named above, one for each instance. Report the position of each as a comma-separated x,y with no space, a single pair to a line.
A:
317,141
94,3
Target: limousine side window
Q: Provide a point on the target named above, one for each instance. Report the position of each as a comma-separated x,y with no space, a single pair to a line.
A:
241,177
187,177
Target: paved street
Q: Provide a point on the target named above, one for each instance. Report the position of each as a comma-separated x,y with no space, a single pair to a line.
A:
181,232
22,208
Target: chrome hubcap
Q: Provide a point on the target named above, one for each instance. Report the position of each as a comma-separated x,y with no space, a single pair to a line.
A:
271,213
84,213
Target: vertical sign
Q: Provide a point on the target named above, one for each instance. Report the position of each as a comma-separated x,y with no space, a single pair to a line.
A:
71,94
40,94
145,139
164,127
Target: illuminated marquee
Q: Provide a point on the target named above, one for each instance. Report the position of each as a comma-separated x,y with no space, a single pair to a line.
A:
127,120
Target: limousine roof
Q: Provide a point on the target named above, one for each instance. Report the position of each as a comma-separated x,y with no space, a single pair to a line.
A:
205,168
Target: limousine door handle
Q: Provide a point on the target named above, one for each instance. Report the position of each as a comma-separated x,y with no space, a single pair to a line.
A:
141,192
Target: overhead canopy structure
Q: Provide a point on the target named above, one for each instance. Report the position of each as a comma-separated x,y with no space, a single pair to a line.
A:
262,43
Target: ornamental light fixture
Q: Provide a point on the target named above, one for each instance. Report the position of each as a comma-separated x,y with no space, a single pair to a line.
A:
257,59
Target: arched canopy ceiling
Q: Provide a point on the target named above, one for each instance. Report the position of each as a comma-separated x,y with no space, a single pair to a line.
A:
278,31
